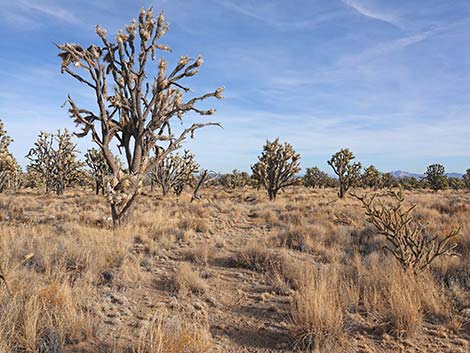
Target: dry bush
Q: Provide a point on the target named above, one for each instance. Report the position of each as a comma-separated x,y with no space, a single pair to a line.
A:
186,279
317,312
406,239
165,334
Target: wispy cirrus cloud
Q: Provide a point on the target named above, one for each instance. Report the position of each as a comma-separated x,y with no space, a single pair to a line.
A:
265,13
28,14
373,13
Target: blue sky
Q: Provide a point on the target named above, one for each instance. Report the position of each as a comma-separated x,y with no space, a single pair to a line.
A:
388,79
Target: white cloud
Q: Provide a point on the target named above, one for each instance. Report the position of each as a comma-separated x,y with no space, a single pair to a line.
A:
373,13
29,14
270,15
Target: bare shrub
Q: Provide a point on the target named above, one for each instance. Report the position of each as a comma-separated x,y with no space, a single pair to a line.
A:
406,239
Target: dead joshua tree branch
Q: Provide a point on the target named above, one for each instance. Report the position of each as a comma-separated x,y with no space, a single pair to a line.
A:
407,242
205,178
137,111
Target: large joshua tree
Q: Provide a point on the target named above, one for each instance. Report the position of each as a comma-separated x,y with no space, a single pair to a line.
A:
276,167
348,173
135,108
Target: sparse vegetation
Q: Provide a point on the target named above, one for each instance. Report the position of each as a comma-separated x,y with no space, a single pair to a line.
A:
388,271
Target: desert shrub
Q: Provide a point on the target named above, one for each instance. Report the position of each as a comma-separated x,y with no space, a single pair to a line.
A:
406,239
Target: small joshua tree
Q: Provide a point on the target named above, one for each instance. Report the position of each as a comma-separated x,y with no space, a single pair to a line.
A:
9,168
409,183
135,108
435,175
371,178
348,173
54,158
277,166
174,172
315,178
466,178
235,179
407,241
99,169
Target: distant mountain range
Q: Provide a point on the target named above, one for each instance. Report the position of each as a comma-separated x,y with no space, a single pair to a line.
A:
402,174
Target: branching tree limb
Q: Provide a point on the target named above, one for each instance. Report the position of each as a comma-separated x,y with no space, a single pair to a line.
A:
134,109
407,241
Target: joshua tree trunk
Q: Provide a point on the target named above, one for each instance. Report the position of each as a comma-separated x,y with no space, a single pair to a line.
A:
272,193
122,217
341,190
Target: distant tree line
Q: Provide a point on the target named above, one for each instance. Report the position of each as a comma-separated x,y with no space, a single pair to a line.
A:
54,166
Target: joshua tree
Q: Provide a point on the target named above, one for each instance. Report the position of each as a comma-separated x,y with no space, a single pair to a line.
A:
435,175
98,167
410,183
174,172
388,181
315,178
235,179
9,168
135,108
348,174
54,158
407,240
277,166
371,178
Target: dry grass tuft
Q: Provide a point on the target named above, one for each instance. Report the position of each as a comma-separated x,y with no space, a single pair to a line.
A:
165,334
186,279
317,312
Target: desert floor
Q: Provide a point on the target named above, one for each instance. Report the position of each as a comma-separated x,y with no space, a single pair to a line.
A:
231,272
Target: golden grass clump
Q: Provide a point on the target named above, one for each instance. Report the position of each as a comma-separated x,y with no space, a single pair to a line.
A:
317,312
166,334
186,279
